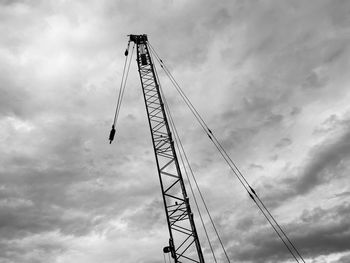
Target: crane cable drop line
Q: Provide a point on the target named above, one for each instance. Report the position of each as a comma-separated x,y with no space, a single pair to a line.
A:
121,90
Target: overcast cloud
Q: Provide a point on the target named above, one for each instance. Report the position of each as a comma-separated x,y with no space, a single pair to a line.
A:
269,77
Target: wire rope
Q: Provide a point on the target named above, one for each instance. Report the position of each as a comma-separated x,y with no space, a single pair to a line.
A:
177,142
121,83
194,198
202,198
122,90
181,149
228,159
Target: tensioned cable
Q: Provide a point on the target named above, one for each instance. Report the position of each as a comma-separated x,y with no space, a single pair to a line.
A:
228,162
227,158
123,85
195,113
177,138
239,176
232,166
181,148
121,91
199,191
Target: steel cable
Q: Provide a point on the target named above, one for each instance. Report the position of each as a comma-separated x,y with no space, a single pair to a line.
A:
178,142
181,152
197,186
228,160
123,85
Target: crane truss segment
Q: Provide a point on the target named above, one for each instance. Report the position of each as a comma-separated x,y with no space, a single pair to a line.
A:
183,243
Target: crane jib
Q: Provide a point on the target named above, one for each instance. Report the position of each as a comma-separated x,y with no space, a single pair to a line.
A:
184,244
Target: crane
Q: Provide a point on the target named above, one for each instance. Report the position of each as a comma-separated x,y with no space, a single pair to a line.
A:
184,244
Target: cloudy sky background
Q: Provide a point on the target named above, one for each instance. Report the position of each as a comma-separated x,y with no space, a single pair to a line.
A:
269,77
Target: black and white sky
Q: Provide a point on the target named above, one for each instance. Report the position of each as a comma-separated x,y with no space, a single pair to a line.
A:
271,79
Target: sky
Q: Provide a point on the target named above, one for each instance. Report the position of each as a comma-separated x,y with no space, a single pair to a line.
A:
270,78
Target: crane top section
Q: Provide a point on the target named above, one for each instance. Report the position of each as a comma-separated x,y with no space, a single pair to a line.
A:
139,39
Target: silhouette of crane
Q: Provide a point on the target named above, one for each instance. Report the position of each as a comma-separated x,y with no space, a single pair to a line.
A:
184,244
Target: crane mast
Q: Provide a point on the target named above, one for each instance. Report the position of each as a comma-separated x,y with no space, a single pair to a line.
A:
184,244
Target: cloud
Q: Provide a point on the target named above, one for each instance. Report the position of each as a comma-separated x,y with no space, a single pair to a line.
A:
343,194
326,159
261,73
34,248
148,216
325,163
344,259
325,231
284,142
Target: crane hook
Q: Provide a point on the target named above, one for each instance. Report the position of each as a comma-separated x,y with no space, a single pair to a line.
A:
111,134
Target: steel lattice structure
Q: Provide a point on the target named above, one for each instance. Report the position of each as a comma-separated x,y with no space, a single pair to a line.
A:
184,244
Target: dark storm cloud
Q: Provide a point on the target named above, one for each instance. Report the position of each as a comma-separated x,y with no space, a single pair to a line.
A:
325,231
344,259
343,194
327,159
327,162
